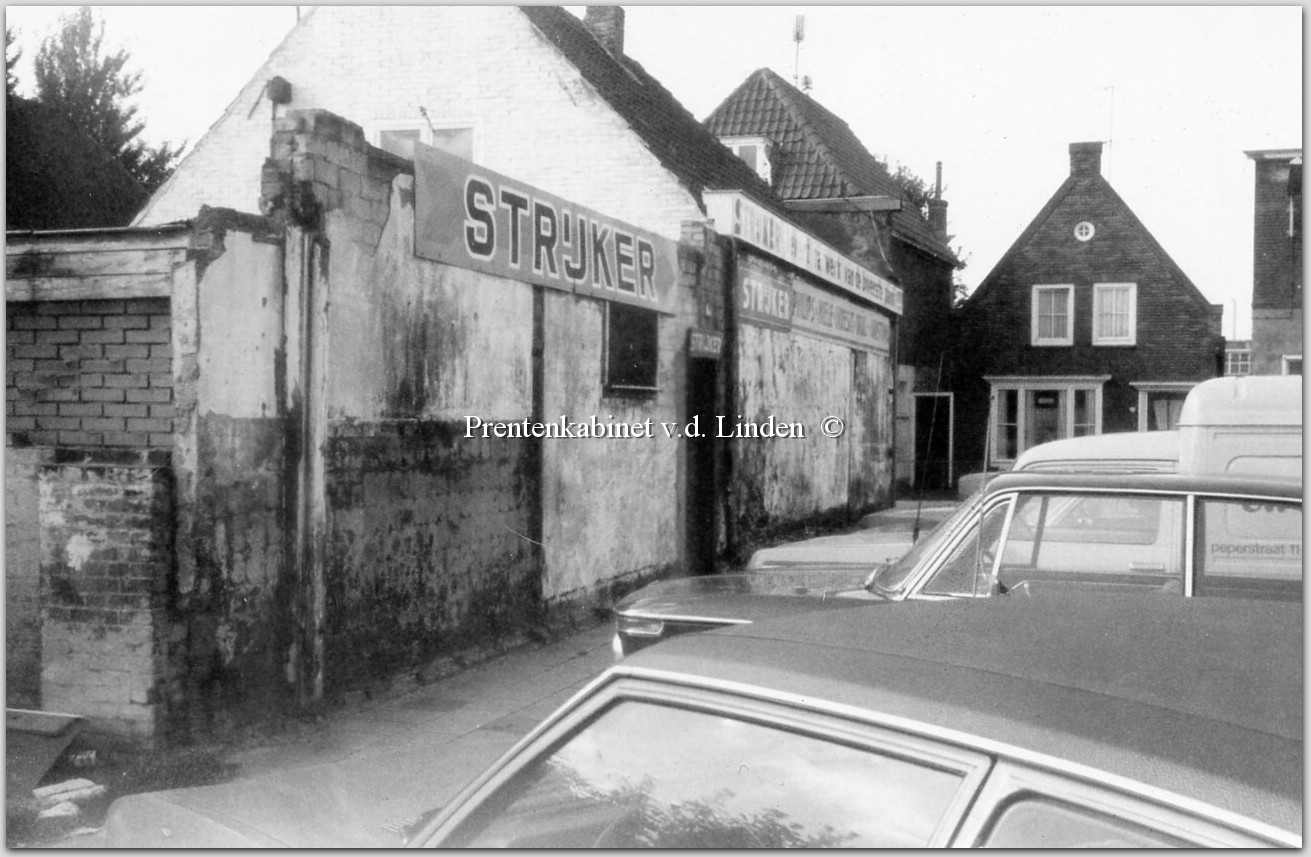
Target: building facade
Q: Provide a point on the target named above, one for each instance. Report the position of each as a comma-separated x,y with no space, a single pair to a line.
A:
829,181
1277,321
1085,325
400,404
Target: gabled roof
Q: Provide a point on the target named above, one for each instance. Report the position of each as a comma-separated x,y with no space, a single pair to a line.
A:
678,141
817,156
1099,185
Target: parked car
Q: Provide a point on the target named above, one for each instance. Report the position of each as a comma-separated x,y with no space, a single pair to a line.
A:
1141,533
1053,721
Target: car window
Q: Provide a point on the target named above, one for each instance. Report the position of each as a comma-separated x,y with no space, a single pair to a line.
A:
1249,548
891,579
1111,539
967,570
1038,822
644,774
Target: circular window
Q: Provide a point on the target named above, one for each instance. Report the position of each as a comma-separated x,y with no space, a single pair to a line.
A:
1084,231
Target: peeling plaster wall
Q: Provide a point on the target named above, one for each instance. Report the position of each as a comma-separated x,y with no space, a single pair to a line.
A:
613,505
428,530
231,464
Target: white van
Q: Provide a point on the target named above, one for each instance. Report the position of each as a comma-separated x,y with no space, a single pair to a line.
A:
1247,425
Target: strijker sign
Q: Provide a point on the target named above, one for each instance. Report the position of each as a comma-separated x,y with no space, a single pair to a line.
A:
789,303
474,218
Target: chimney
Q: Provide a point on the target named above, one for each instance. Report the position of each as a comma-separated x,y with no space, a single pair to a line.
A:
938,206
1085,159
607,25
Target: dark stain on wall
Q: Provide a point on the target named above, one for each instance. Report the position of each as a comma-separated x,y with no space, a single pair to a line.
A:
429,538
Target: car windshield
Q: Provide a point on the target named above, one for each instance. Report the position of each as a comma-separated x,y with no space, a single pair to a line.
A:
889,580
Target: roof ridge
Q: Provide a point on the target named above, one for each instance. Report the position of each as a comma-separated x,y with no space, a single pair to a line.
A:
784,91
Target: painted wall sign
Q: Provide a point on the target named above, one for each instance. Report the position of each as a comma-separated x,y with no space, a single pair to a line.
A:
818,312
787,303
471,217
734,214
705,343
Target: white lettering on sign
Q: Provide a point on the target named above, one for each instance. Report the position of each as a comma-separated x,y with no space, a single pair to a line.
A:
617,260
471,217
734,214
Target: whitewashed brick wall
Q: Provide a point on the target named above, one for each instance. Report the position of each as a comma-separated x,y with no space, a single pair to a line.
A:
536,119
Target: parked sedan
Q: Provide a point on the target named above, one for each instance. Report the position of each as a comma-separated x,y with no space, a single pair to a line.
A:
1142,533
1052,721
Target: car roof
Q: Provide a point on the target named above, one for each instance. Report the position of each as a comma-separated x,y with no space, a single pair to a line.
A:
1180,482
1200,697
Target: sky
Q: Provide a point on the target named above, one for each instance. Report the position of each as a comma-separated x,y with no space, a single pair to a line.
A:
996,93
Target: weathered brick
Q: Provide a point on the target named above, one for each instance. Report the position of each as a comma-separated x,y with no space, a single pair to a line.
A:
107,337
151,365
159,334
135,380
127,321
36,352
125,352
57,337
81,409
33,322
157,394
149,425
122,438
102,394
80,322
112,410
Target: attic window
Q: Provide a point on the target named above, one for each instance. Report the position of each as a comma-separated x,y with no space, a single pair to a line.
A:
755,152
398,136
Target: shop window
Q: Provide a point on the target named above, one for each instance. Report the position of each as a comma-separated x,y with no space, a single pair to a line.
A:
1115,314
632,349
1052,320
1025,414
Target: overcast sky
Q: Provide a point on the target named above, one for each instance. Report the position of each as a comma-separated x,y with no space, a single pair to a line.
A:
995,93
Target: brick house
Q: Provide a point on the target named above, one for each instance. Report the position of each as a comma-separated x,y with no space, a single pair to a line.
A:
1085,325
1277,324
824,174
333,519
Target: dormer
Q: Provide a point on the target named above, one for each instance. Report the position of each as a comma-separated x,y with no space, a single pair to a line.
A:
755,152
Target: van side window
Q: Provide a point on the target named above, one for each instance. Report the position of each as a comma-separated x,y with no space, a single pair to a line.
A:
1249,548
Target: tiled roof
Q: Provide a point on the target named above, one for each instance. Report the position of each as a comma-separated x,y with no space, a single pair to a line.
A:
674,136
816,155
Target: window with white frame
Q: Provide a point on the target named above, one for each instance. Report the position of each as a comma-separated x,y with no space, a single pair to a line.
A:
1161,403
1030,411
1292,364
754,152
1052,321
398,136
1115,314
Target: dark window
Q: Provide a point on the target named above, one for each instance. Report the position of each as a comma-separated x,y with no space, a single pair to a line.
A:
632,349
1044,823
648,775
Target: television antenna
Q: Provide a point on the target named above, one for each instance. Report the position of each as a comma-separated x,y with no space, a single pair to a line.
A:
798,36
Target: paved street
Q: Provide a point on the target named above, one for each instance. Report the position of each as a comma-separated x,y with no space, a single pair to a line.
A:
380,763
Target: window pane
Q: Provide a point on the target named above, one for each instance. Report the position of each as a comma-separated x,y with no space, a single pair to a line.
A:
1045,416
455,141
1041,823
1119,539
1008,424
1085,420
1053,313
399,141
1163,410
648,775
748,154
632,341
967,570
1249,549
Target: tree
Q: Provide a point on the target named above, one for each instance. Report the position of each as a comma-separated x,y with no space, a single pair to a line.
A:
92,88
11,60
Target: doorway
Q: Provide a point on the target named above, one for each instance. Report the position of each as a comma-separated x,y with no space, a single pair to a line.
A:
934,418
702,481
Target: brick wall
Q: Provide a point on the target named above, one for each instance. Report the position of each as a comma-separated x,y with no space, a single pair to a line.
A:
89,373
106,556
